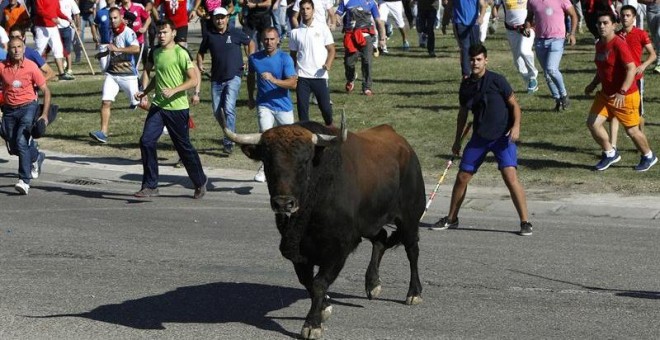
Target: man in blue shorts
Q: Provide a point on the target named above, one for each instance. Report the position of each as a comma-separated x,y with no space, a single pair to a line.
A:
496,128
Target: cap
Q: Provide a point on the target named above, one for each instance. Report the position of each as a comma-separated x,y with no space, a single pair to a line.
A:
39,126
220,11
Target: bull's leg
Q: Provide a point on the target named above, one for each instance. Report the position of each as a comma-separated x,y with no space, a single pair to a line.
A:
305,274
409,233
326,275
372,282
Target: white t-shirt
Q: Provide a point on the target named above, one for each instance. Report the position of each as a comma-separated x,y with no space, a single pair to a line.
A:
123,63
69,8
310,43
4,38
515,12
321,8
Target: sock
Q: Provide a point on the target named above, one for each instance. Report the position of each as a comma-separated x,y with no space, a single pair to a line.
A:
610,153
649,155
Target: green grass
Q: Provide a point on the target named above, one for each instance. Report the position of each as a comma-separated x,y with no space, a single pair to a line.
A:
418,96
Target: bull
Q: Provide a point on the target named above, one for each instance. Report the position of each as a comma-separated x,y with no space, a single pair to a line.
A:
329,188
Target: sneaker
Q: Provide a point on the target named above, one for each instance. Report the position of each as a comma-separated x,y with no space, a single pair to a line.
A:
66,76
350,86
22,187
444,29
146,192
406,46
646,163
444,223
656,69
165,132
99,136
532,85
525,228
228,149
36,165
606,162
261,175
432,54
565,103
201,191
368,93
557,105
376,52
384,50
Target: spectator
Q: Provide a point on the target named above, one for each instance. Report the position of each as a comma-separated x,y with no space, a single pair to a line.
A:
273,73
395,8
175,74
204,10
177,12
141,23
548,20
48,16
257,18
224,44
21,106
358,17
32,55
618,97
67,32
521,42
16,14
87,15
426,20
468,15
322,13
653,16
313,51
102,31
496,129
279,18
121,72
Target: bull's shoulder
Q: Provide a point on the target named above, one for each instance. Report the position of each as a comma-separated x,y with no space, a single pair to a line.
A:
381,134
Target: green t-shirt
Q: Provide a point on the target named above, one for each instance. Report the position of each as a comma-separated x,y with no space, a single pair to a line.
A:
171,67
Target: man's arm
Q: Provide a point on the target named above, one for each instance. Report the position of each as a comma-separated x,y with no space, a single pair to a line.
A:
620,96
512,103
44,114
47,71
574,23
461,120
199,59
131,49
289,83
191,82
652,57
592,86
331,56
483,6
251,82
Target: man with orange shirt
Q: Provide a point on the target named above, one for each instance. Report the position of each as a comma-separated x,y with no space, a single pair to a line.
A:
19,77
618,96
15,14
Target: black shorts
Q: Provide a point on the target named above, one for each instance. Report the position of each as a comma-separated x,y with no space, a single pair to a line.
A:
181,34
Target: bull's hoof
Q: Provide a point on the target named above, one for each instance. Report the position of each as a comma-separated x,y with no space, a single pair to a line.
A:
325,313
413,300
311,333
374,293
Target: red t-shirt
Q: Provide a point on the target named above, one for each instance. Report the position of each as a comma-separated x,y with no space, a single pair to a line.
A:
175,10
141,16
636,40
18,84
611,60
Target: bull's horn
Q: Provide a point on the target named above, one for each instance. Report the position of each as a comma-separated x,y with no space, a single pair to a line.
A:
244,139
323,140
343,127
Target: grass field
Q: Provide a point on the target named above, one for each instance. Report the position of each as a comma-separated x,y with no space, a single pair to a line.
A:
415,94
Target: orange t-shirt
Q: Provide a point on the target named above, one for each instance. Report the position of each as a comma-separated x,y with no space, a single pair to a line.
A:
18,83
16,16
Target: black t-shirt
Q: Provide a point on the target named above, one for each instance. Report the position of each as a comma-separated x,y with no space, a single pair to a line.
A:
488,105
226,52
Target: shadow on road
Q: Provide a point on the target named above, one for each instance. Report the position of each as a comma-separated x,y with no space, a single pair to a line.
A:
221,302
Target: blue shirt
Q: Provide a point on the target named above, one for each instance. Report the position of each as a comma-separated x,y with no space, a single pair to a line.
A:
487,98
226,52
358,13
3,54
34,56
280,65
102,20
466,12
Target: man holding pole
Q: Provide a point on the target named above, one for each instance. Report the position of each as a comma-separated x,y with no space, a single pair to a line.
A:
496,128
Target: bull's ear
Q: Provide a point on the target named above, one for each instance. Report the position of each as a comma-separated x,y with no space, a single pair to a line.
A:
252,151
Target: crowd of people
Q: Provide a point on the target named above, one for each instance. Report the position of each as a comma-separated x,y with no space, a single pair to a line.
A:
152,36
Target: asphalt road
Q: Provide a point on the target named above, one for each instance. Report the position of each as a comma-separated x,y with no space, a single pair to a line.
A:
80,258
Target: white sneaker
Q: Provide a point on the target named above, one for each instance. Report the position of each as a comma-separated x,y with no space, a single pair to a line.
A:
260,176
165,132
22,187
35,171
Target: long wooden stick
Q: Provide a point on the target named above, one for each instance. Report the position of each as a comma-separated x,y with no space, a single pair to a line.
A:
82,46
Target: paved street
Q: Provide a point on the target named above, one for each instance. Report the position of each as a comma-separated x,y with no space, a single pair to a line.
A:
80,258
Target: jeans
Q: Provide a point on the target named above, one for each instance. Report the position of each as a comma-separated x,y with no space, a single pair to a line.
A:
280,21
364,54
176,122
425,24
224,95
549,52
17,124
318,86
268,118
466,36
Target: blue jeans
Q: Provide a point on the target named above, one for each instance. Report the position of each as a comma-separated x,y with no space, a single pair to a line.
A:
466,36
176,122
17,123
549,52
224,95
318,86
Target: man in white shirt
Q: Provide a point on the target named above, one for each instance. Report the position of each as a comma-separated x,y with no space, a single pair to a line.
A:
322,11
72,12
313,50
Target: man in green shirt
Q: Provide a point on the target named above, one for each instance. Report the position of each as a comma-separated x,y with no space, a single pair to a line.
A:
175,74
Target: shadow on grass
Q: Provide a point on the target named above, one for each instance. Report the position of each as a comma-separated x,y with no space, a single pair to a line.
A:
77,94
213,303
67,109
557,148
639,294
434,108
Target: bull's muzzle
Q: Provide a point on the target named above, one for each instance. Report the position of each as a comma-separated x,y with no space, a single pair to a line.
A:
284,204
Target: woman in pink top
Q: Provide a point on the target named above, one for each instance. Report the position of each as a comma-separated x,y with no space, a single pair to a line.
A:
547,19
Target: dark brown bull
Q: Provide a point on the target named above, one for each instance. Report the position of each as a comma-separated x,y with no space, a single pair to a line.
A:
328,191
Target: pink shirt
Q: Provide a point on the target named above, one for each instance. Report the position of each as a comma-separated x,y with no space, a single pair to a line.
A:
18,83
141,15
549,17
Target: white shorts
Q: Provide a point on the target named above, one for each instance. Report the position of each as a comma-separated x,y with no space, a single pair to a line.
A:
49,36
112,85
396,7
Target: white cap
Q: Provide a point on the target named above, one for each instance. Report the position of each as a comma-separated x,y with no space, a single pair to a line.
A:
220,11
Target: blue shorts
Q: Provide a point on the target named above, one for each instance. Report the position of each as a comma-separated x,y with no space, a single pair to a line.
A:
504,149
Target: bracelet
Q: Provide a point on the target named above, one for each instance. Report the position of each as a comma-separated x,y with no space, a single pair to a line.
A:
622,92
